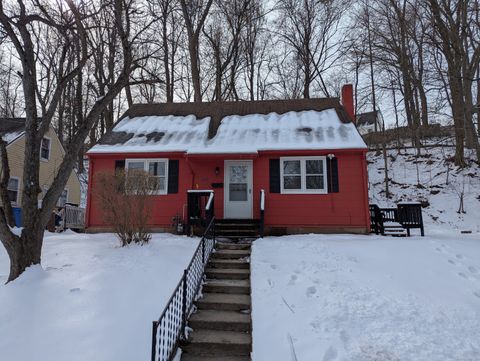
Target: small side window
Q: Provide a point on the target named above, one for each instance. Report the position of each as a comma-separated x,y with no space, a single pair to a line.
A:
12,189
45,149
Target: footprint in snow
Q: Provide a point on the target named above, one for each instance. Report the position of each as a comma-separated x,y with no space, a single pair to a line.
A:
330,354
67,265
451,261
459,256
293,279
273,266
463,275
311,291
473,270
77,289
476,294
344,337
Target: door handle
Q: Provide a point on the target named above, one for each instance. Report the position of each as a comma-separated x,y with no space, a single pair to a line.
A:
250,191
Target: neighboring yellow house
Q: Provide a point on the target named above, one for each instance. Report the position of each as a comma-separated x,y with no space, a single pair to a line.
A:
52,152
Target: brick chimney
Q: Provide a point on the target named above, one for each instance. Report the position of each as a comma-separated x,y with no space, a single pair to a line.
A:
347,101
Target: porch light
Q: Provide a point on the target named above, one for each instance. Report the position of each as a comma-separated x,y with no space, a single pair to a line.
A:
217,170
331,156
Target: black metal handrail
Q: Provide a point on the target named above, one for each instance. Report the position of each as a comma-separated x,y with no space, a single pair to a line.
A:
170,327
262,212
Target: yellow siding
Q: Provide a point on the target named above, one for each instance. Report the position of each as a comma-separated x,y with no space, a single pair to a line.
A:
48,169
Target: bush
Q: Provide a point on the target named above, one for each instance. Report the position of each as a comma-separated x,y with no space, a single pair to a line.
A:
124,197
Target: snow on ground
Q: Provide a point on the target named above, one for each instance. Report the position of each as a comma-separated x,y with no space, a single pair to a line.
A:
366,298
91,300
433,179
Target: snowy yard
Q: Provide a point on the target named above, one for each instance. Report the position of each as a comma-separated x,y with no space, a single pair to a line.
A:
366,298
92,300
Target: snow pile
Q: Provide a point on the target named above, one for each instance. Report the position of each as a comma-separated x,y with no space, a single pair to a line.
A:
365,298
236,134
432,179
92,300
293,130
156,134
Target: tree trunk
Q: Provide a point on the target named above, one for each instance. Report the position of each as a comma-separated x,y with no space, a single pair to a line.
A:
197,86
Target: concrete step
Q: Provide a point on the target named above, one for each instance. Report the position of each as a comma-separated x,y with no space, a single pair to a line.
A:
228,263
215,343
188,357
227,273
232,245
220,320
241,287
231,254
224,302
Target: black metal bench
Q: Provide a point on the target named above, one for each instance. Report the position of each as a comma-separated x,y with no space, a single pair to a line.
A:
407,214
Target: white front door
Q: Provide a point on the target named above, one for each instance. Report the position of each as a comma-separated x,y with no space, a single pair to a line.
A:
238,189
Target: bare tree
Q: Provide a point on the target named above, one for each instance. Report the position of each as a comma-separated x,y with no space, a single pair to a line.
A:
24,23
194,15
311,29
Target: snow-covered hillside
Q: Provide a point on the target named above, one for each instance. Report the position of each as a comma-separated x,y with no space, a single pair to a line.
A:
366,298
431,179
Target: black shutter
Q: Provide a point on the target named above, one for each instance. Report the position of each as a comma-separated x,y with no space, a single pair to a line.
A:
332,175
119,165
173,166
274,175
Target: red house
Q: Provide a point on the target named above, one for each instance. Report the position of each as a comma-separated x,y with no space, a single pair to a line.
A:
298,164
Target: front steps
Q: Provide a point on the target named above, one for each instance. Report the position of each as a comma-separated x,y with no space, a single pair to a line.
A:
394,229
222,323
237,228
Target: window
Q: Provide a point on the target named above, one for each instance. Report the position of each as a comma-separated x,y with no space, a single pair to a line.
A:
12,189
157,170
45,149
303,175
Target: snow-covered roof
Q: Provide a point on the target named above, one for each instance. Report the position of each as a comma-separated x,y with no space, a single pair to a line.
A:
11,128
154,134
290,131
219,128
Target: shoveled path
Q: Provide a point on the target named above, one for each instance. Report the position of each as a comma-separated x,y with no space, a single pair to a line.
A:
222,324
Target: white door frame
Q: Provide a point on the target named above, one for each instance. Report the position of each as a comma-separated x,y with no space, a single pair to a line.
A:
226,187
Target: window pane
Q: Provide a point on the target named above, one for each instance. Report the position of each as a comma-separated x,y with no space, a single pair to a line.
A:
292,182
13,184
156,183
156,168
291,167
238,192
12,195
314,182
238,174
135,165
314,166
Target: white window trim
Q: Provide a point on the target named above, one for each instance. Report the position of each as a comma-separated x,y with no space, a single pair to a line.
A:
18,190
145,168
49,149
303,176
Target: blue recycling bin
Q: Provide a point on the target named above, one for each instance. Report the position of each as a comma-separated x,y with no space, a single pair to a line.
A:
17,216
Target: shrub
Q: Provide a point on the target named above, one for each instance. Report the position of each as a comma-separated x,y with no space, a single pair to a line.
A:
124,197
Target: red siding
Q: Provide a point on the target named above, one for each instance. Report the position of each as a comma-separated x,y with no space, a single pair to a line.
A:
346,209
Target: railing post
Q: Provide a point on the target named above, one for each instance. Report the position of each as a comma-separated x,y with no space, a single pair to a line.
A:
154,339
203,250
184,304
